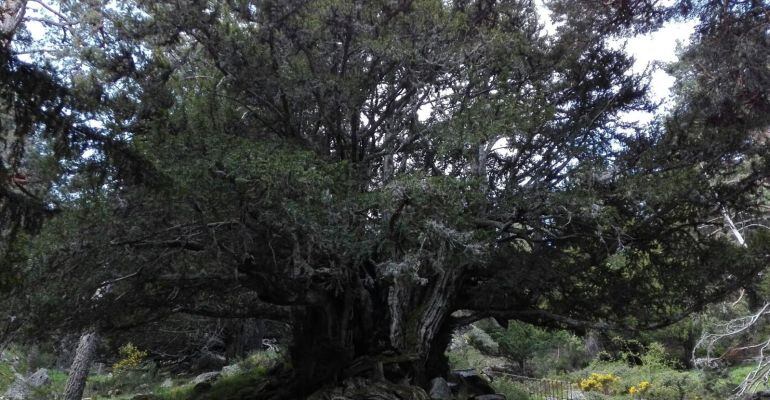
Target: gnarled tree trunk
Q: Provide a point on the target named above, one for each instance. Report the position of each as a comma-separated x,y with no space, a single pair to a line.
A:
84,356
342,340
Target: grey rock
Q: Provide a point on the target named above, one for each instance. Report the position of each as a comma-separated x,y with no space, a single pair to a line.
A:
439,389
490,397
18,390
470,383
167,383
39,378
481,340
487,324
464,373
7,356
462,313
576,396
230,370
206,377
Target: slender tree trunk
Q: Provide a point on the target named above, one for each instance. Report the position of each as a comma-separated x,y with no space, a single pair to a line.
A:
84,356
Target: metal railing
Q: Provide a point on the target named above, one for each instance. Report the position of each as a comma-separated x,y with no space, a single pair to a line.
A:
545,389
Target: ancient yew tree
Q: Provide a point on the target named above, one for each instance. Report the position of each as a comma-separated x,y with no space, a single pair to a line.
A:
377,173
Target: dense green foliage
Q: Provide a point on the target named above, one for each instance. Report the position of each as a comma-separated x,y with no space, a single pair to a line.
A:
363,170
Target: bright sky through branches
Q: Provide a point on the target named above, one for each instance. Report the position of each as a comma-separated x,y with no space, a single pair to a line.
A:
650,51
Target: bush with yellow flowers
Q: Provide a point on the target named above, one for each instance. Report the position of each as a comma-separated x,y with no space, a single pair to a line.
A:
597,382
131,357
640,388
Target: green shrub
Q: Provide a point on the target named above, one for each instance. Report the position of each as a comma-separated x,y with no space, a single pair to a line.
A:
536,351
261,361
665,382
465,357
6,376
520,341
510,389
563,352
141,379
237,387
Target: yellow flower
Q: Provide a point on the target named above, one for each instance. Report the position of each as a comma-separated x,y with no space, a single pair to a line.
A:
132,357
597,382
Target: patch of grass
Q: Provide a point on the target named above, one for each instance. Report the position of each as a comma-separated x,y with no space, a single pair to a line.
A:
510,389
244,386
135,381
58,378
175,393
6,376
260,360
19,353
737,374
54,388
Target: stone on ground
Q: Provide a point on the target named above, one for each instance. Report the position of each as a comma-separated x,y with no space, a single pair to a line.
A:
575,395
470,383
39,378
481,340
439,389
230,370
18,390
206,377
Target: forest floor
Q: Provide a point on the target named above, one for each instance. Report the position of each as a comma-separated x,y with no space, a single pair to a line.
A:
590,379
651,375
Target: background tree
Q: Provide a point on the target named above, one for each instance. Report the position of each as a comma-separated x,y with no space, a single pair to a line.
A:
520,342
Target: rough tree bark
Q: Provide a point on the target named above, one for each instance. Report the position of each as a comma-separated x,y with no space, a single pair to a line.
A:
84,356
338,342
11,15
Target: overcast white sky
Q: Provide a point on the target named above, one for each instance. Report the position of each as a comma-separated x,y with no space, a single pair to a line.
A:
660,46
652,51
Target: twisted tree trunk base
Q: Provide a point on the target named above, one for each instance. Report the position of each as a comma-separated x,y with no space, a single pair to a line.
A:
366,389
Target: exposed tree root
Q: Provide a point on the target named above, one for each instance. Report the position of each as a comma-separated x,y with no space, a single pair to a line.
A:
366,389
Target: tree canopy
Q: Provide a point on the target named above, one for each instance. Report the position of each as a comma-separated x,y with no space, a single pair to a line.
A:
376,173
